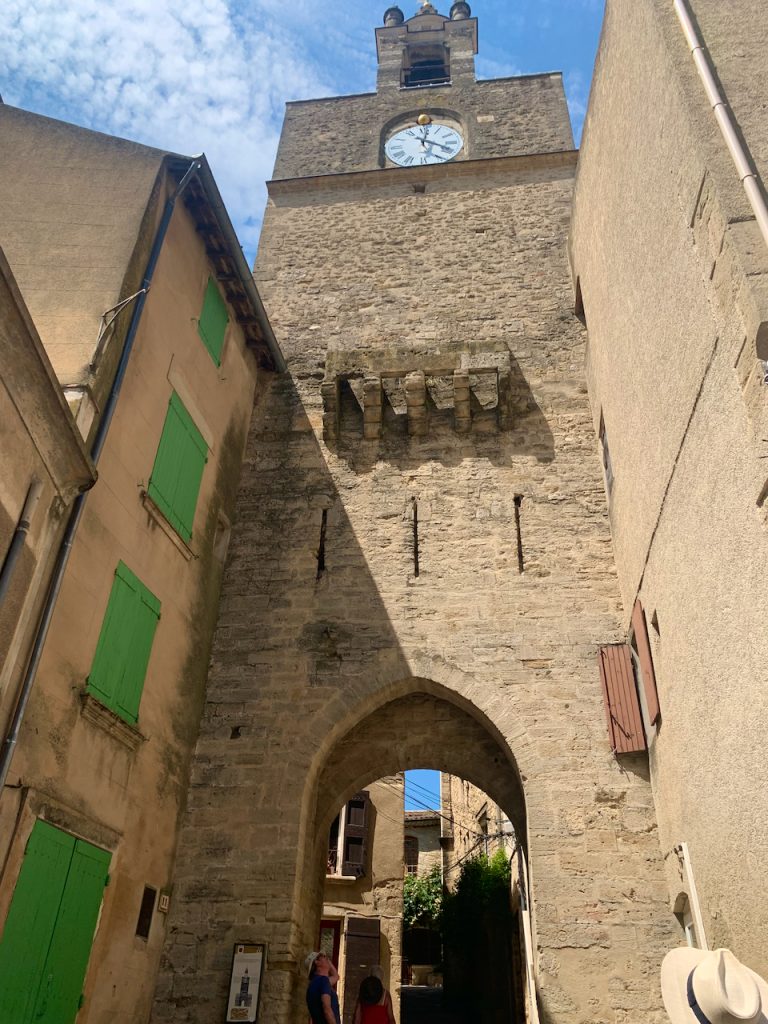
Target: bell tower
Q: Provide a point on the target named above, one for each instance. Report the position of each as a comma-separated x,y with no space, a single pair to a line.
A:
427,49
421,571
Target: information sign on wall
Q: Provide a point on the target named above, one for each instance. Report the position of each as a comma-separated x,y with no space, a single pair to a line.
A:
245,984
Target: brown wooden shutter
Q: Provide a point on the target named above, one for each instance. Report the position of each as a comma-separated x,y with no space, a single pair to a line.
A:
356,835
640,630
361,953
411,852
622,704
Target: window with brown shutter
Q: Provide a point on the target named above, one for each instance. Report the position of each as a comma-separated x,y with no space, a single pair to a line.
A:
622,704
411,849
355,850
647,672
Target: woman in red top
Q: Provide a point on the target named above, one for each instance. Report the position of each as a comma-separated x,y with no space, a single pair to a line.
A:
374,1004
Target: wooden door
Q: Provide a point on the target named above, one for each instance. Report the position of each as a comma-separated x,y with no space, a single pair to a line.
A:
49,931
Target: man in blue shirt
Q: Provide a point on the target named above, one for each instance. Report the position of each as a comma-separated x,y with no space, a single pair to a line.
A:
322,1001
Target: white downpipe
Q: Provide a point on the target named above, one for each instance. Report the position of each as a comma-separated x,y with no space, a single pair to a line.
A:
530,975
741,157
693,895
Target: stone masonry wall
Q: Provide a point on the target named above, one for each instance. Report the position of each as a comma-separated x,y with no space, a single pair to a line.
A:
308,652
503,117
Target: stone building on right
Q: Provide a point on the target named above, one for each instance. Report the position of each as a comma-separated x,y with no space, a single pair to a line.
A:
670,266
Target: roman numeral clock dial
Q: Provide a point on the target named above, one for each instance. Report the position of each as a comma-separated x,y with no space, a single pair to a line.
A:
425,143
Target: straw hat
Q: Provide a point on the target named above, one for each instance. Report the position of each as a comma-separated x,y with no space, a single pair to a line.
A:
309,960
712,987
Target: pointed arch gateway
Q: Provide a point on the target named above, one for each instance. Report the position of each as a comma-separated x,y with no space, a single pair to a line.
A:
414,723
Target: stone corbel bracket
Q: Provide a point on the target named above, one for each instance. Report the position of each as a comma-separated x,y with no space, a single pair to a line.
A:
460,372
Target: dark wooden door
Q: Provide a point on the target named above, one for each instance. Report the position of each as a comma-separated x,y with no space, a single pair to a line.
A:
361,949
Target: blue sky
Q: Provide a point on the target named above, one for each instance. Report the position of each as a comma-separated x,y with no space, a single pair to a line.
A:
422,790
213,76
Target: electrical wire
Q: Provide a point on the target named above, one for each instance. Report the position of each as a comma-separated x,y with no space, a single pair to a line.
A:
451,821
410,784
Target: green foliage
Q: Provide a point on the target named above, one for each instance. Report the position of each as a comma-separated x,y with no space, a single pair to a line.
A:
477,934
423,899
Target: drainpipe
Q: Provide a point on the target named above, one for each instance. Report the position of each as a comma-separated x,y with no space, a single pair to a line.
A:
741,156
19,537
693,895
525,911
65,550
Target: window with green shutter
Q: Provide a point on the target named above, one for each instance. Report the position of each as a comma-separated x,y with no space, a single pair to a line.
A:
213,321
181,456
125,643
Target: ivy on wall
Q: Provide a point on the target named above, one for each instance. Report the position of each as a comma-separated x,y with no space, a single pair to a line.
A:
423,900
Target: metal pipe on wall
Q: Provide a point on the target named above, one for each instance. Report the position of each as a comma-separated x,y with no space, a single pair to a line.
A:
693,895
62,558
741,156
19,536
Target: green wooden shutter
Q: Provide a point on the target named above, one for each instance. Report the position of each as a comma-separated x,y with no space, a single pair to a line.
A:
212,325
64,973
178,471
146,614
31,920
122,653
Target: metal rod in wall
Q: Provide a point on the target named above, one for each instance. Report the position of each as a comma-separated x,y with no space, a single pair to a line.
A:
740,155
19,537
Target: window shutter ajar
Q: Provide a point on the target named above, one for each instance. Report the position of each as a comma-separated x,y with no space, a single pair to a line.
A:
125,643
356,835
622,705
178,471
640,630
146,615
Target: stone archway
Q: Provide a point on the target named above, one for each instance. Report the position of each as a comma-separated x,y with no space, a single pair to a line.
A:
427,726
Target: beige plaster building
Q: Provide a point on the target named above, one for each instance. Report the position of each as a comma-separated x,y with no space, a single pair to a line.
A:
43,467
362,916
422,850
672,274
149,316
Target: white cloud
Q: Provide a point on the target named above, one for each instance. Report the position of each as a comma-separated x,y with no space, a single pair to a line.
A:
182,75
213,75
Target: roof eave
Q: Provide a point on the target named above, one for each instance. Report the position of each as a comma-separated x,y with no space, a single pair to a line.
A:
224,251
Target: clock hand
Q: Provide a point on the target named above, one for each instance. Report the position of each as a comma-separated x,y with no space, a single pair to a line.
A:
432,142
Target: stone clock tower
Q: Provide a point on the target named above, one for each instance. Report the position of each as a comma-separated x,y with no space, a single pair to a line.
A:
420,574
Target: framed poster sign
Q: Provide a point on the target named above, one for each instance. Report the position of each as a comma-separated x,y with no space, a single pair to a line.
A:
245,983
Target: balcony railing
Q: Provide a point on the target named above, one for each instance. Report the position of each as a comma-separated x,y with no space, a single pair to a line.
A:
333,862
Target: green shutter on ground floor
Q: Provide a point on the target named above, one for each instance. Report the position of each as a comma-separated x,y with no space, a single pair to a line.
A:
125,644
178,471
49,930
212,325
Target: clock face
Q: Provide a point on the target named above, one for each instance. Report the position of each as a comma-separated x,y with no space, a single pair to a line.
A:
424,144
